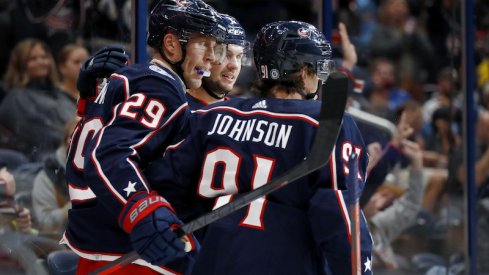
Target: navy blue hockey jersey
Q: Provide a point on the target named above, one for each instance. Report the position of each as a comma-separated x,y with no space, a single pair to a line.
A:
195,103
139,113
238,145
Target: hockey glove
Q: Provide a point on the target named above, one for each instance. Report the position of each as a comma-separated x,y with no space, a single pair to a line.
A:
101,65
150,220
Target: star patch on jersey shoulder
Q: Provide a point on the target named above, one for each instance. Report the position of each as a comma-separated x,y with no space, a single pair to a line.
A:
130,188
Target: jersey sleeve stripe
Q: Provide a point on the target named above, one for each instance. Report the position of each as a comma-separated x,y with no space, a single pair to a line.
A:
126,84
173,146
332,167
174,115
138,172
97,163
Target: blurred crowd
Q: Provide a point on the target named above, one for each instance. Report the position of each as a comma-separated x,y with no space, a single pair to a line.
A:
404,64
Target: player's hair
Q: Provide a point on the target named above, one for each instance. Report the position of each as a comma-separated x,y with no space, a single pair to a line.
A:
291,85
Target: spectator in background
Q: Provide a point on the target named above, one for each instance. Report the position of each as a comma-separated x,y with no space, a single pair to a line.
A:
443,26
439,147
401,38
55,22
482,162
389,214
50,198
7,182
70,59
443,96
17,218
34,110
383,92
16,227
383,161
443,140
109,19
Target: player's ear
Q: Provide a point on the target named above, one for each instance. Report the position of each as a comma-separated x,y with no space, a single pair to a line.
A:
172,47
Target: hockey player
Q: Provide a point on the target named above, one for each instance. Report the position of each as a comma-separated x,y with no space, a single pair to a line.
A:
216,87
238,145
140,111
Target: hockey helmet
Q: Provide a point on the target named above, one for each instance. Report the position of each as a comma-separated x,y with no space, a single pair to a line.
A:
283,47
236,35
183,17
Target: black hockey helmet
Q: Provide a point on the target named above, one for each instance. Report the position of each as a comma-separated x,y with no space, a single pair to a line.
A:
183,17
283,47
236,35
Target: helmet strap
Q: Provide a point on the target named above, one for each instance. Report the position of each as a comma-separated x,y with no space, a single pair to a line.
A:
300,89
214,90
177,66
307,96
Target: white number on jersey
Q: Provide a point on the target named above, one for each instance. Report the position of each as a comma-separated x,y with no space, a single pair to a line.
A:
230,162
90,128
153,110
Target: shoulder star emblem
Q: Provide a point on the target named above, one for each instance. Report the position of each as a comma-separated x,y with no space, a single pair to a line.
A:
130,188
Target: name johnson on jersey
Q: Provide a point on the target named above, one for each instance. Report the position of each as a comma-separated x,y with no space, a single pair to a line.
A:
256,130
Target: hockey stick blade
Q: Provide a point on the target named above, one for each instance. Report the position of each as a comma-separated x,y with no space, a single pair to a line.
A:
334,96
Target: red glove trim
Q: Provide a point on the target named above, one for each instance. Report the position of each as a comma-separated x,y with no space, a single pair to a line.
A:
141,209
81,106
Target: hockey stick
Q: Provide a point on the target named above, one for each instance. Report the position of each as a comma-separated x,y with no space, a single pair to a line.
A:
333,103
354,213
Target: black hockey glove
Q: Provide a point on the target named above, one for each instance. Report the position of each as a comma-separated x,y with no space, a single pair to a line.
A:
150,220
102,64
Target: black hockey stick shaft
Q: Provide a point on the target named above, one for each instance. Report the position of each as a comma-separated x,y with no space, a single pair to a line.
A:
354,213
334,96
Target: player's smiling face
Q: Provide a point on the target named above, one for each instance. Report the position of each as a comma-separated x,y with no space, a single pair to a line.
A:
226,73
198,59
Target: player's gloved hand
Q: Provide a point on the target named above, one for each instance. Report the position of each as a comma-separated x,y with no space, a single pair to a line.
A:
354,185
150,220
102,64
